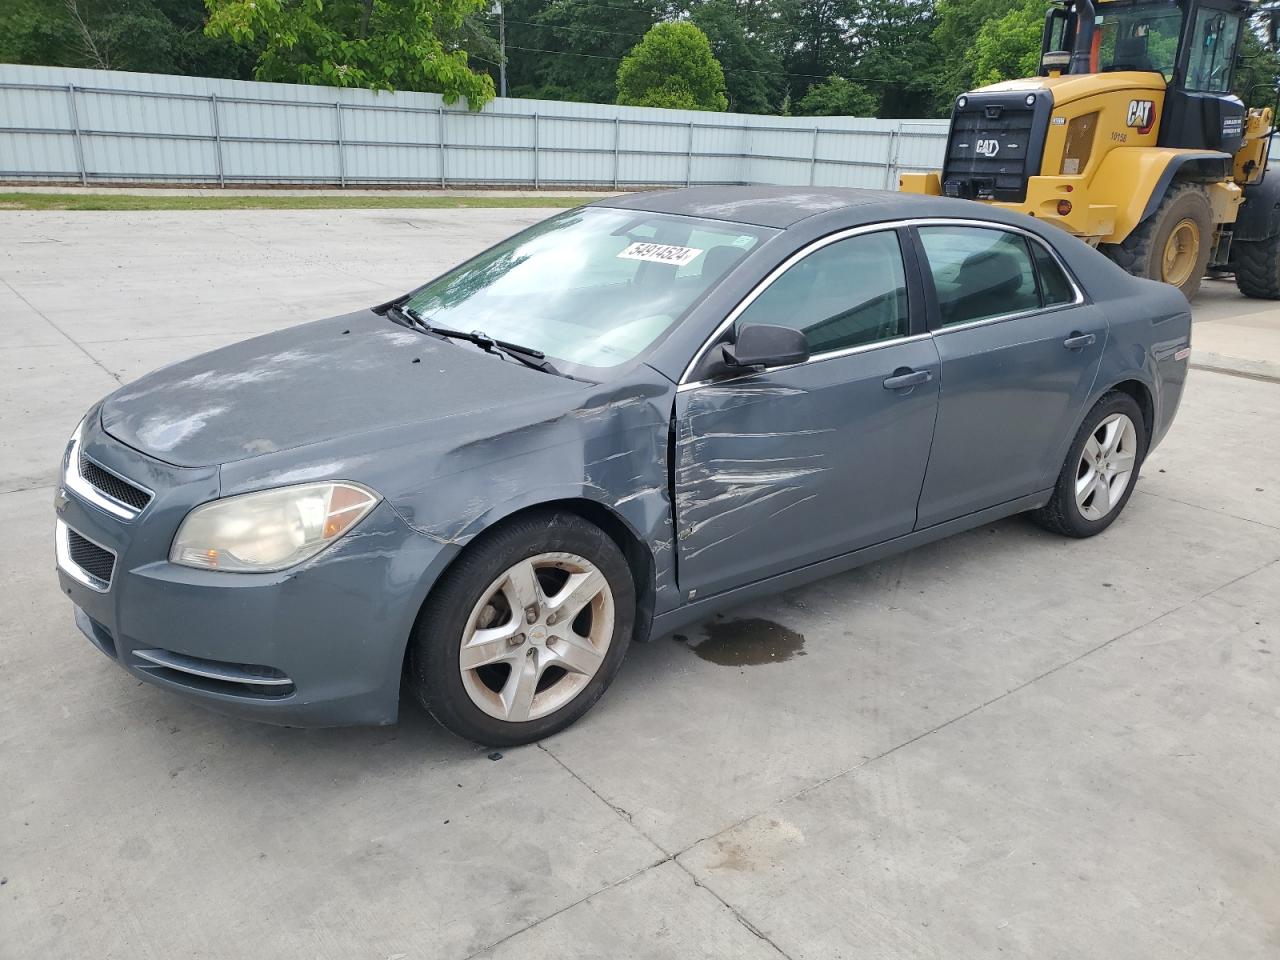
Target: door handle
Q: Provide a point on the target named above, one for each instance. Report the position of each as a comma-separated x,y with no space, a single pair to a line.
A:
1078,340
906,378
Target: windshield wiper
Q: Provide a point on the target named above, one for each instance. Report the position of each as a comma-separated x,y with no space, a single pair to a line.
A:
526,355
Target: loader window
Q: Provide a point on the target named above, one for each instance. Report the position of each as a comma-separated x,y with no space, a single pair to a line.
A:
1213,51
1140,37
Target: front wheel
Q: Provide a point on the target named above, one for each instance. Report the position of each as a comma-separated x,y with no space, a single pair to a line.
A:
521,636
1173,244
1100,471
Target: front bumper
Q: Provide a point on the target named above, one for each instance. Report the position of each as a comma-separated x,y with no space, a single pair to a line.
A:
321,644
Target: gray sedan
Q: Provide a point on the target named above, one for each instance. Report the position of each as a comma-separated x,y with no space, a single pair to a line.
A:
601,429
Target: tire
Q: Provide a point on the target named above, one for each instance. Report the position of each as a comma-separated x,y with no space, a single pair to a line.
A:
1063,513
1142,252
1257,264
532,680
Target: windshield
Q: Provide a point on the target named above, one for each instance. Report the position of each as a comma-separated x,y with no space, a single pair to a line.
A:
1140,36
1213,51
593,286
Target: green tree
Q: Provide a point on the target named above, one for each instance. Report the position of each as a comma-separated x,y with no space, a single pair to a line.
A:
673,66
837,97
155,36
958,24
570,49
1258,73
817,43
32,32
753,71
894,55
378,44
1009,47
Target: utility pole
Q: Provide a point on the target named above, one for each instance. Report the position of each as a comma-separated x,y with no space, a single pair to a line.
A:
502,47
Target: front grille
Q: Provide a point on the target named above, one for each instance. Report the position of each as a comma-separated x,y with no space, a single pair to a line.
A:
109,485
91,558
996,143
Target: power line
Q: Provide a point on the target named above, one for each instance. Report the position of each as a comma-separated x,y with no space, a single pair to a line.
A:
772,73
563,26
566,4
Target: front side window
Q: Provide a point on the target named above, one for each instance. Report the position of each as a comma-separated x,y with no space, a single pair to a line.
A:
593,287
1213,51
979,273
849,293
1141,36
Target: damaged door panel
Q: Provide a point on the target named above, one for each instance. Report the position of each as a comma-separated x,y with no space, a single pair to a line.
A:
792,466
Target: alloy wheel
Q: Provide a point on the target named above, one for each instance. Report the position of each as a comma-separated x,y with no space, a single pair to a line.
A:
536,637
1106,466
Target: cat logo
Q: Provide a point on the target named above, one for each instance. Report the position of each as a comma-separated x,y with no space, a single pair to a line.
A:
987,148
1141,116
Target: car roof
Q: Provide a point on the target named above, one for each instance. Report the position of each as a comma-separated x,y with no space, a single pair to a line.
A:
784,207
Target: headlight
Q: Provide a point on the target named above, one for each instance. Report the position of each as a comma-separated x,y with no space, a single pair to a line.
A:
73,445
270,530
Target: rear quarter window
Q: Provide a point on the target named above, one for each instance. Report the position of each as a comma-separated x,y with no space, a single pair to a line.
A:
1055,288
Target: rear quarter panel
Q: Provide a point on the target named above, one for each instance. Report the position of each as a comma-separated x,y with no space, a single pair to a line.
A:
1149,341
1148,323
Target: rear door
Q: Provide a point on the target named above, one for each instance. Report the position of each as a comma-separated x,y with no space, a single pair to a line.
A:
1019,348
785,467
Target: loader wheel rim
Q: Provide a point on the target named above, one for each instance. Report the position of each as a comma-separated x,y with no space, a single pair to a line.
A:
1181,251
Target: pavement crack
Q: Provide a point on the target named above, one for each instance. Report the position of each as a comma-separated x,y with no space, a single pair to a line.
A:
1232,372
75,343
867,761
38,485
747,924
569,906
1199,506
620,811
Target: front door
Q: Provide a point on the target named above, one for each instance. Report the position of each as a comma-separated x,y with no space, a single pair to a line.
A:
1020,351
782,468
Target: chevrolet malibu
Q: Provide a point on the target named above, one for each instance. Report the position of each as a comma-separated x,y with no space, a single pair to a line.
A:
601,429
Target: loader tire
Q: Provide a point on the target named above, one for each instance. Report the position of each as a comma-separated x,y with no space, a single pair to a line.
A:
1257,264
1173,244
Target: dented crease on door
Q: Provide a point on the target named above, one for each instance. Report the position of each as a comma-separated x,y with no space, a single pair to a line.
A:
712,492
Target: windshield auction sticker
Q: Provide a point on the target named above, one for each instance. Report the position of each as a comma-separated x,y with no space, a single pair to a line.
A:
659,253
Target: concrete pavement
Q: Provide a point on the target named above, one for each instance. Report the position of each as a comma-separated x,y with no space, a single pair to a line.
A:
1004,743
1234,334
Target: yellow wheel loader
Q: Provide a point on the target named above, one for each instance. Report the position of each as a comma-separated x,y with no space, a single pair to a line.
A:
1130,139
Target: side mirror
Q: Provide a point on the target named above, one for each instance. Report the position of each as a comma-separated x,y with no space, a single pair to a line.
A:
766,345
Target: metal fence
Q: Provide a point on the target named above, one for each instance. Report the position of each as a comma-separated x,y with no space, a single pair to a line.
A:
94,126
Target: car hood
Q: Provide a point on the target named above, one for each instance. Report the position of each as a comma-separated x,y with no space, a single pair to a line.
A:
316,382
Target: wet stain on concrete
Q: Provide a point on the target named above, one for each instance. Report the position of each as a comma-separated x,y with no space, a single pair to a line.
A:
748,642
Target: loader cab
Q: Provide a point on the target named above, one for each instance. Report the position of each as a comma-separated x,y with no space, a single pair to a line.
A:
1199,110
1192,44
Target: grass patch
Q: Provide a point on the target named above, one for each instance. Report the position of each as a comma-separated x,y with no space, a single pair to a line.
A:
285,201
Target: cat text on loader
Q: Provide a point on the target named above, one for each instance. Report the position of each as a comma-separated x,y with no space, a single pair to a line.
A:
1130,139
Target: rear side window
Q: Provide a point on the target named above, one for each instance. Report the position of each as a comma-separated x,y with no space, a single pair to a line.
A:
846,294
980,273
1055,288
